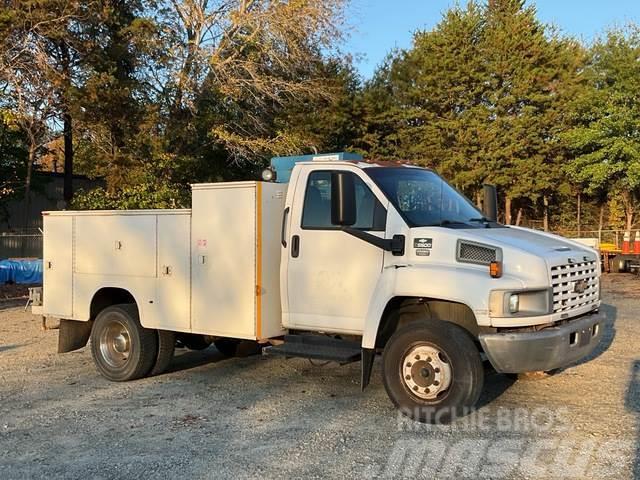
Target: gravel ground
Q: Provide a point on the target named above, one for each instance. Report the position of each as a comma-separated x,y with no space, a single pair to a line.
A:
211,417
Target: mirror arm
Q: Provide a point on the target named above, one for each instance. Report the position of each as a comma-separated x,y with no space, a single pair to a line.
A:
394,245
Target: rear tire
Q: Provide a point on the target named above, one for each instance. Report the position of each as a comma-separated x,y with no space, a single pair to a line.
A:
432,371
166,346
121,348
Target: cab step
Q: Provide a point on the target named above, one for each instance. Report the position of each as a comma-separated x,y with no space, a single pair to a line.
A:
317,347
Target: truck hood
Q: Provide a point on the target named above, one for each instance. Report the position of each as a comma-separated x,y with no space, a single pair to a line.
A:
542,244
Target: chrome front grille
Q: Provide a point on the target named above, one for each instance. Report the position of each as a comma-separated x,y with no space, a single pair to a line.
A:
575,285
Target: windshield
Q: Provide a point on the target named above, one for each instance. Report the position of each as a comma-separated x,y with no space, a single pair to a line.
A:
425,199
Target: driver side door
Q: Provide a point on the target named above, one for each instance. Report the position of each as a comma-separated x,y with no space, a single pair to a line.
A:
331,275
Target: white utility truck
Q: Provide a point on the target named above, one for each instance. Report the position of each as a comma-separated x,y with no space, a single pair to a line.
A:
336,259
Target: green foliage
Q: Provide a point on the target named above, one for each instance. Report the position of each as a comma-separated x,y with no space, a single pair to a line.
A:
479,98
13,155
152,189
606,139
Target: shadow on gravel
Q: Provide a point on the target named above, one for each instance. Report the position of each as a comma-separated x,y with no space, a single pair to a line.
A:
495,384
186,360
4,348
632,403
7,304
608,333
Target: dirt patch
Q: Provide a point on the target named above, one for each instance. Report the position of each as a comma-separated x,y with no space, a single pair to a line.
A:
212,417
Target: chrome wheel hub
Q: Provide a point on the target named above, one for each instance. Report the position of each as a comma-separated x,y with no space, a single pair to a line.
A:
115,344
426,372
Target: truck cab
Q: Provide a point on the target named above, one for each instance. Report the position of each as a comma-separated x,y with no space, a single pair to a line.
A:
374,259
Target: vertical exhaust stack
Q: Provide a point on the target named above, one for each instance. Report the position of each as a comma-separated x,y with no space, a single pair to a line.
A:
490,202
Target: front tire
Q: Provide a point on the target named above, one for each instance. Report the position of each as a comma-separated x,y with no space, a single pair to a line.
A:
121,348
432,371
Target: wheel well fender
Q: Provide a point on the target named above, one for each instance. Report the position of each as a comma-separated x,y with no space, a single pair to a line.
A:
74,334
107,296
401,311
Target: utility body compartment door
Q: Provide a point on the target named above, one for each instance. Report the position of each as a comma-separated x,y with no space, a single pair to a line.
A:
58,265
235,259
173,290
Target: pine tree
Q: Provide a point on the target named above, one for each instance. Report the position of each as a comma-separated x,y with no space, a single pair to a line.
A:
480,98
605,138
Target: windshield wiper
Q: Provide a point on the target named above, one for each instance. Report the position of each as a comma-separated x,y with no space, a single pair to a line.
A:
485,220
451,222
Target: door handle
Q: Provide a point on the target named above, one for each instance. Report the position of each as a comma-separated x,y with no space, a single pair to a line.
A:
283,236
295,246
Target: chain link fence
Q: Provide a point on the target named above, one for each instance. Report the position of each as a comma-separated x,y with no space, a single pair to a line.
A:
611,237
25,243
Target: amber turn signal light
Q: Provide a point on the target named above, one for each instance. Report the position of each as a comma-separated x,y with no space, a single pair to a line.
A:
495,269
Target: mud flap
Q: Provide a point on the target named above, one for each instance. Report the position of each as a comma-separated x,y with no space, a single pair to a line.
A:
368,355
73,335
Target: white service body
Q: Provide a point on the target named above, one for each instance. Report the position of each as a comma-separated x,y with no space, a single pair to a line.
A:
212,270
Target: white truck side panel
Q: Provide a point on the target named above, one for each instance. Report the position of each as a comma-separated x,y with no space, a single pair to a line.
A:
58,265
235,246
223,293
172,305
85,286
116,245
89,251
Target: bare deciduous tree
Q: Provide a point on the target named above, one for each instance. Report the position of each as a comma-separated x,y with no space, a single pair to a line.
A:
256,55
30,97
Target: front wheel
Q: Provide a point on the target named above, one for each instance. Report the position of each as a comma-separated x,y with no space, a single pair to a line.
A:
432,371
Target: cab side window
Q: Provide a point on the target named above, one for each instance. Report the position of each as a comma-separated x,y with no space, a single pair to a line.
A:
316,213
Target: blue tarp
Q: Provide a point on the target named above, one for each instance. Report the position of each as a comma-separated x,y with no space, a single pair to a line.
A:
21,271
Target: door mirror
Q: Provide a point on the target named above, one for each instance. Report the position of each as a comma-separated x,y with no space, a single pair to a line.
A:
490,202
343,199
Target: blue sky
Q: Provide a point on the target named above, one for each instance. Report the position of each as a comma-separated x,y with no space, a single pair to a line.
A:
381,25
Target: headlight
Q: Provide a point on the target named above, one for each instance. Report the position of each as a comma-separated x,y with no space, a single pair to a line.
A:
520,303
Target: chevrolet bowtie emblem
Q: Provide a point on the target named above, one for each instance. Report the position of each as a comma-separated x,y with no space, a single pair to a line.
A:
580,286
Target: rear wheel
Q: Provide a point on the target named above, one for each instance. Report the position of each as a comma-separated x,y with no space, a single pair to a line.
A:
121,348
166,346
432,371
